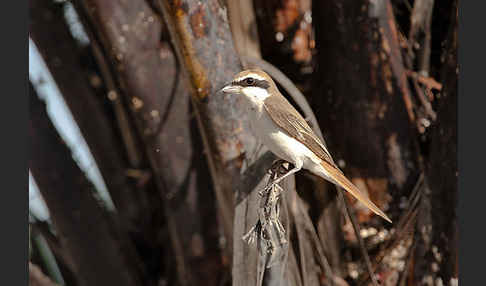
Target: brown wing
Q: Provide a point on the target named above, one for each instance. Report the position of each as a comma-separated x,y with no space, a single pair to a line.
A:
338,177
295,125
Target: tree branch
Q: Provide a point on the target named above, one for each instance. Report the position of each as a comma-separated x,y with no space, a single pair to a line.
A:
37,278
84,228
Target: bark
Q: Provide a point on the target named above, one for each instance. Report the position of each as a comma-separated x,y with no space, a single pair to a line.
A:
202,39
84,227
436,257
62,56
243,26
154,86
363,95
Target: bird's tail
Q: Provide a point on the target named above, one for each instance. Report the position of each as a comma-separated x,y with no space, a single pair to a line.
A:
339,179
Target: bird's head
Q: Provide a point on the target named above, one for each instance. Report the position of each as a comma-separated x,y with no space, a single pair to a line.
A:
254,84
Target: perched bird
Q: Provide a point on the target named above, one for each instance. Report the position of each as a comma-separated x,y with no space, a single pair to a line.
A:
280,127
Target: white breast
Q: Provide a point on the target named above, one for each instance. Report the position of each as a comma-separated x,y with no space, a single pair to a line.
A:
279,142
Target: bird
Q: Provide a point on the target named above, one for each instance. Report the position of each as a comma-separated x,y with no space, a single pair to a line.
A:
281,128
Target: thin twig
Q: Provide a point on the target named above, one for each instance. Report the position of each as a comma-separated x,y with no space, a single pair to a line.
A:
428,82
172,96
53,242
420,33
420,40
322,257
423,98
268,230
357,232
406,220
403,276
407,98
419,91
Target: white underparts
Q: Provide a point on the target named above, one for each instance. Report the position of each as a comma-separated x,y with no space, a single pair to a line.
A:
283,145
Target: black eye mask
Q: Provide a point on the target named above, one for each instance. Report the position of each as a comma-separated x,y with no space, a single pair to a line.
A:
249,81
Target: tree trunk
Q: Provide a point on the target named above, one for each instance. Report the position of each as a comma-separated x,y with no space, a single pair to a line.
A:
202,39
203,43
243,26
362,92
436,257
152,83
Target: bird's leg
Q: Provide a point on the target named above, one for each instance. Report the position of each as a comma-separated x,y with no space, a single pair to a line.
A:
277,167
253,233
296,168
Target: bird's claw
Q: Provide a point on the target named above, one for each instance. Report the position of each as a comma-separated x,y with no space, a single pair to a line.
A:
251,235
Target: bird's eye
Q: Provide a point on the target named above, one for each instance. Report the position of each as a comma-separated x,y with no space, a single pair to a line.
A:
249,81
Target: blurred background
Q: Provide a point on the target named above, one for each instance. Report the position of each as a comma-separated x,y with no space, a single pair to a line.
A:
140,172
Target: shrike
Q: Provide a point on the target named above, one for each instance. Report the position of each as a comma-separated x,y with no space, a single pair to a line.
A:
280,127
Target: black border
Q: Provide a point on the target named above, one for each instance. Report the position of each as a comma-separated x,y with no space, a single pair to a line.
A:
471,141
13,118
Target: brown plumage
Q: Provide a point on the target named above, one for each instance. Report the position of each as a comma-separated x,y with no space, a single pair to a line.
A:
287,118
344,183
296,126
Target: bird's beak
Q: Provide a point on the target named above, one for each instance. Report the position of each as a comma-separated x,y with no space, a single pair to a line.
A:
229,88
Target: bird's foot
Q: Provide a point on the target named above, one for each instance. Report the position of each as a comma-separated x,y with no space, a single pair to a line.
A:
251,236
